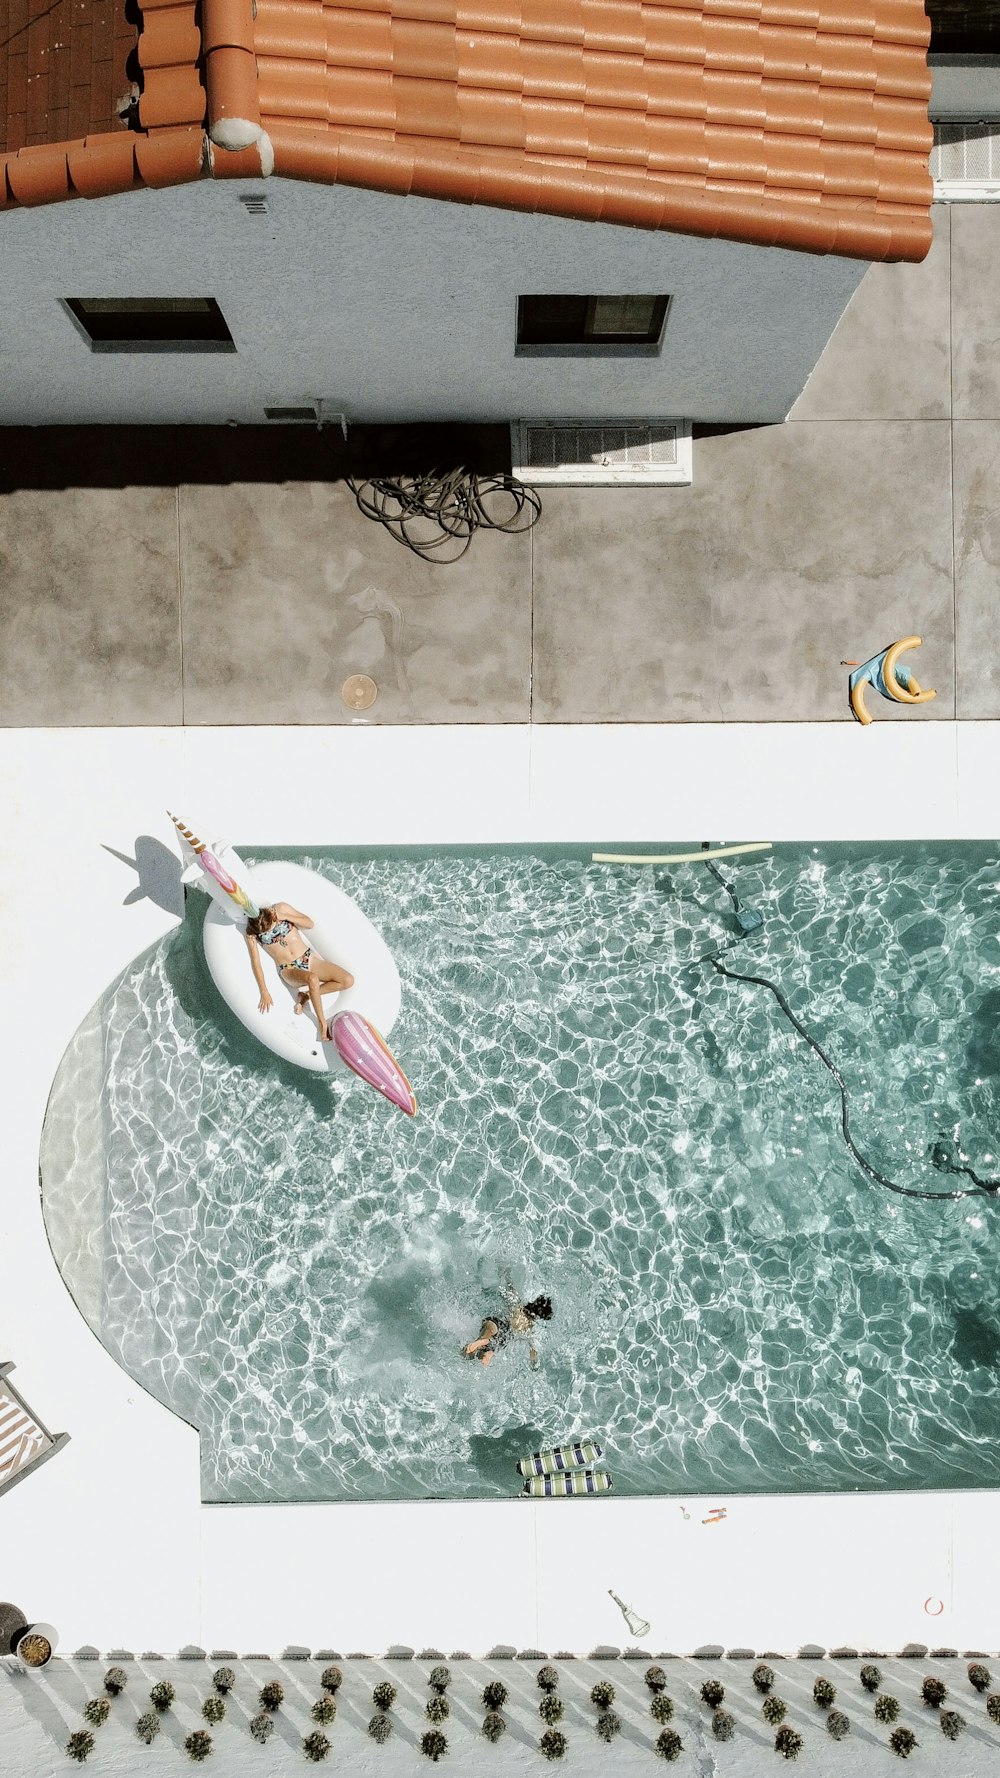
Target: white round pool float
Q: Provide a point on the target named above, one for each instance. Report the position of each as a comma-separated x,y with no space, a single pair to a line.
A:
340,932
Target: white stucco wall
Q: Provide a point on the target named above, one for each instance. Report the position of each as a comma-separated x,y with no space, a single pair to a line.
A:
393,308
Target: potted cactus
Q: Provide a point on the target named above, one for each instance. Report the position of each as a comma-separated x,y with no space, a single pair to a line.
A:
763,1677
669,1745
97,1711
933,1691
602,1694
902,1742
331,1679
774,1710
213,1709
979,1676
494,1695
324,1710
838,1725
608,1725
223,1680
271,1695
115,1681
551,1709
553,1744
35,1647
870,1678
384,1695
656,1679
198,1745
886,1708
380,1728
788,1742
80,1745
723,1725
547,1678
993,1707
438,1708
262,1727
148,1727
439,1679
712,1693
433,1744
494,1726
824,1694
661,1708
161,1695
951,1724
315,1746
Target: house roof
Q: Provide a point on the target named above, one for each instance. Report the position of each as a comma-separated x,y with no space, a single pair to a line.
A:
796,123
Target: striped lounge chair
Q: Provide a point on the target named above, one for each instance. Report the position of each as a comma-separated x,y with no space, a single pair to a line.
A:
24,1441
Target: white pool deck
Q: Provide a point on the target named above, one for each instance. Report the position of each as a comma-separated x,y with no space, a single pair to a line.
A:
109,1541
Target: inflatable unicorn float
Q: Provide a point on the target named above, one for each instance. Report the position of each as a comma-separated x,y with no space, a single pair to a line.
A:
341,932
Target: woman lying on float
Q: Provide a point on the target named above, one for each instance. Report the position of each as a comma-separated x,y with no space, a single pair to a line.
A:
279,929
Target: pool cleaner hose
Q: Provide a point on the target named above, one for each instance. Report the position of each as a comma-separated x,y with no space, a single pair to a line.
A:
751,920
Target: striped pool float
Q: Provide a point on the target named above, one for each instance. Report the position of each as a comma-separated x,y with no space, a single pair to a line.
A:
580,1455
574,1481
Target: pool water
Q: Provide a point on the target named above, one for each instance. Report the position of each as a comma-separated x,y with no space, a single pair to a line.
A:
293,1265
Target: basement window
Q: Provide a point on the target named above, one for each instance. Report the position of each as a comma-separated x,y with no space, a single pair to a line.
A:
577,325
150,323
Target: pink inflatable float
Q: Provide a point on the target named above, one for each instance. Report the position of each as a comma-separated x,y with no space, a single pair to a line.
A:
362,1049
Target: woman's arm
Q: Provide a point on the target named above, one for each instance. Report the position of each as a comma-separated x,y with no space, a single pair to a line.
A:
285,911
258,973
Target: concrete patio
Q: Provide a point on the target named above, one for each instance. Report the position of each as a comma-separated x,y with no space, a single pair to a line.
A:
156,577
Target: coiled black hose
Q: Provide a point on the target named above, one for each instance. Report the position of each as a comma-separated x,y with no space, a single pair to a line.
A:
940,1158
442,510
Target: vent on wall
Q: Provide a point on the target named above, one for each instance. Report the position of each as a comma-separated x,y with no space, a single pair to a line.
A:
578,453
291,415
965,161
255,203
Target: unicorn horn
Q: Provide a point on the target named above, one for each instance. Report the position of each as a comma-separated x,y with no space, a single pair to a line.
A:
197,846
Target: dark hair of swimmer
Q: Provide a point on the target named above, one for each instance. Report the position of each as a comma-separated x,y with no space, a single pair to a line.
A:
261,922
540,1309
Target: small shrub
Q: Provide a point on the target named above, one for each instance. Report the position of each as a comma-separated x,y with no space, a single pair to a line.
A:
902,1742
115,1681
380,1728
198,1745
951,1724
494,1725
162,1695
553,1744
712,1693
656,1679
262,1727
97,1711
547,1678
434,1744
886,1708
774,1710
824,1694
661,1708
723,1725
439,1679
384,1695
331,1679
324,1710
438,1708
494,1695
933,1691
551,1709
788,1742
148,1727
608,1725
213,1710
763,1677
603,1695
669,1744
223,1680
979,1676
993,1707
271,1695
315,1746
80,1744
870,1678
838,1725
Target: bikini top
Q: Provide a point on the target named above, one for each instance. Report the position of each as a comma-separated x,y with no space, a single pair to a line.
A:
276,933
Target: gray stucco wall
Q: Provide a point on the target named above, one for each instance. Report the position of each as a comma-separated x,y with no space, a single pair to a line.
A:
393,308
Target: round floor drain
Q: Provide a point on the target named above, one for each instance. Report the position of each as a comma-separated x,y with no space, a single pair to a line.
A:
359,692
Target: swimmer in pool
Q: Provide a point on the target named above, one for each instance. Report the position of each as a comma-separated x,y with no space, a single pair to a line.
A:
498,1330
279,929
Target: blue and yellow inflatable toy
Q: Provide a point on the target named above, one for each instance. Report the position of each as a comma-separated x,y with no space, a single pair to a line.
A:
890,678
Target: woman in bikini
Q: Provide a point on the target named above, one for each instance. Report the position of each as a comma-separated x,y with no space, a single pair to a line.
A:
498,1330
279,929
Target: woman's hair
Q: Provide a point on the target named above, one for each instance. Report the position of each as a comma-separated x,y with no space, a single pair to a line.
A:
261,922
540,1309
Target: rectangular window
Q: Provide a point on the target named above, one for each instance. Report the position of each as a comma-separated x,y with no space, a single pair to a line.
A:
151,323
588,323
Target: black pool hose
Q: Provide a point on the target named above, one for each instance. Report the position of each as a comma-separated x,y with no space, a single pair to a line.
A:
940,1158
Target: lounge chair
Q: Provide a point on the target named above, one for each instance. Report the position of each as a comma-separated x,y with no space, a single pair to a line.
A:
24,1441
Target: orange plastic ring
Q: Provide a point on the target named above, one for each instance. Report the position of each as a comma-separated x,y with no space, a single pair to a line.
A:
927,1606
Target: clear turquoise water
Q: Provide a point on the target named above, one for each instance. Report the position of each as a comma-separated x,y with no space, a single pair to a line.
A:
293,1266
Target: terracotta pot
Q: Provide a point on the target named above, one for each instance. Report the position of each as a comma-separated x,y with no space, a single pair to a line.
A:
47,1634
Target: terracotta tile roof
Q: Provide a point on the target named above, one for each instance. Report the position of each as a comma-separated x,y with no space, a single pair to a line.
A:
799,123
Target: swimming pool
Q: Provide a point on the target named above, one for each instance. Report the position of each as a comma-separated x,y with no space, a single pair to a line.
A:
293,1267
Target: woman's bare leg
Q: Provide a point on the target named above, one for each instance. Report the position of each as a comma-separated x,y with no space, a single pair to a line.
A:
322,977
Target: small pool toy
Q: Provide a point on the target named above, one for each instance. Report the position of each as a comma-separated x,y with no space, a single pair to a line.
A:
637,1625
340,932
681,857
582,1454
889,675
365,1051
563,1487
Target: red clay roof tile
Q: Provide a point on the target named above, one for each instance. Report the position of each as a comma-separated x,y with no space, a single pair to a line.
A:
796,122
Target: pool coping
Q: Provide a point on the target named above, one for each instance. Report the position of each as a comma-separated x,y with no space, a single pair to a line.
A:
783,1572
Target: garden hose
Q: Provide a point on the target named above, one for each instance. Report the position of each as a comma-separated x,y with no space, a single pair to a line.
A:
456,502
939,1155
